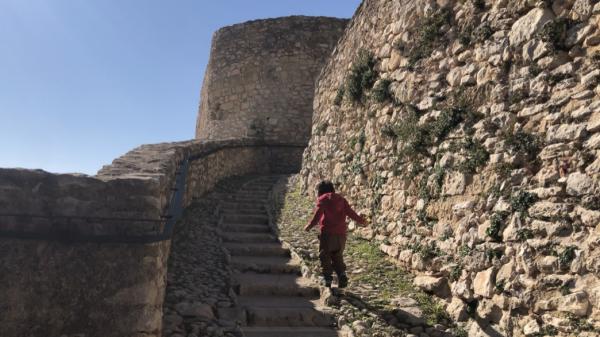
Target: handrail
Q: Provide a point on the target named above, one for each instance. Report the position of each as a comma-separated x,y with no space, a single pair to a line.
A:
174,213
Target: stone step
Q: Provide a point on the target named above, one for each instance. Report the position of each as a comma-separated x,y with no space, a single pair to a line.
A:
279,301
255,284
263,186
252,193
242,205
245,228
266,264
241,197
245,219
248,237
247,211
256,249
289,332
287,316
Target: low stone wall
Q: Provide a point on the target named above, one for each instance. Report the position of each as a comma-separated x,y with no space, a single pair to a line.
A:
92,290
57,281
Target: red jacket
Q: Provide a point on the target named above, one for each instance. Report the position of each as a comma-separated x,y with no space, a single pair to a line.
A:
331,212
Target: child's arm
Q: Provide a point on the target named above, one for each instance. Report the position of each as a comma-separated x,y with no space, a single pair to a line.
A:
315,219
352,214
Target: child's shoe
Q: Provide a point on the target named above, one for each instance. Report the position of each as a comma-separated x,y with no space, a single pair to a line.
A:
326,281
342,281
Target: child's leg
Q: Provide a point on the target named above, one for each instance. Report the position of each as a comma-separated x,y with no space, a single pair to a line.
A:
325,256
337,255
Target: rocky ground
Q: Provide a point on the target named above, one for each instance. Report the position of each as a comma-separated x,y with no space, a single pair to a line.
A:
381,299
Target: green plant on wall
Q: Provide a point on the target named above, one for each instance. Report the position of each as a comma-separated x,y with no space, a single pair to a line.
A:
566,257
476,156
428,35
362,75
523,143
482,33
555,31
339,96
521,201
497,221
381,92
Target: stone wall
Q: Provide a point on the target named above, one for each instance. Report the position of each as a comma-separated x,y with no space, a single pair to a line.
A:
104,290
469,132
56,281
260,78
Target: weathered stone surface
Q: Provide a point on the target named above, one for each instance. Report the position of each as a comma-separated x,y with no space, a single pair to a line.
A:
563,132
524,28
579,184
531,328
429,283
547,210
483,283
576,304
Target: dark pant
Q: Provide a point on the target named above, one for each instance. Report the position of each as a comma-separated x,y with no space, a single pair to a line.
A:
331,253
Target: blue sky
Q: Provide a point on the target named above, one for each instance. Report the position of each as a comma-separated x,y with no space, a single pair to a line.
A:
84,81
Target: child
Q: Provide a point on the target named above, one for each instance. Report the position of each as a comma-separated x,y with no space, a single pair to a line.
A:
330,213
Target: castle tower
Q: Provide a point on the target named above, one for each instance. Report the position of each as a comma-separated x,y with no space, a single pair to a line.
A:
260,79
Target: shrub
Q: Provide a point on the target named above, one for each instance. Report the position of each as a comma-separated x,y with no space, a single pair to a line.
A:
321,128
554,32
356,168
518,96
496,225
455,273
523,143
438,178
522,201
427,251
460,332
465,250
339,97
482,33
362,75
566,257
524,234
389,130
564,289
415,137
596,58
534,70
503,170
428,34
554,79
477,156
457,109
492,254
499,287
381,91
479,4
464,37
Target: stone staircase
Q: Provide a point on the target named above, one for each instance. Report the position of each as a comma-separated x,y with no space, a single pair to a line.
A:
273,298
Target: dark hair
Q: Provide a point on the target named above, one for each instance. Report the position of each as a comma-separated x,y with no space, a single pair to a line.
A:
325,186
